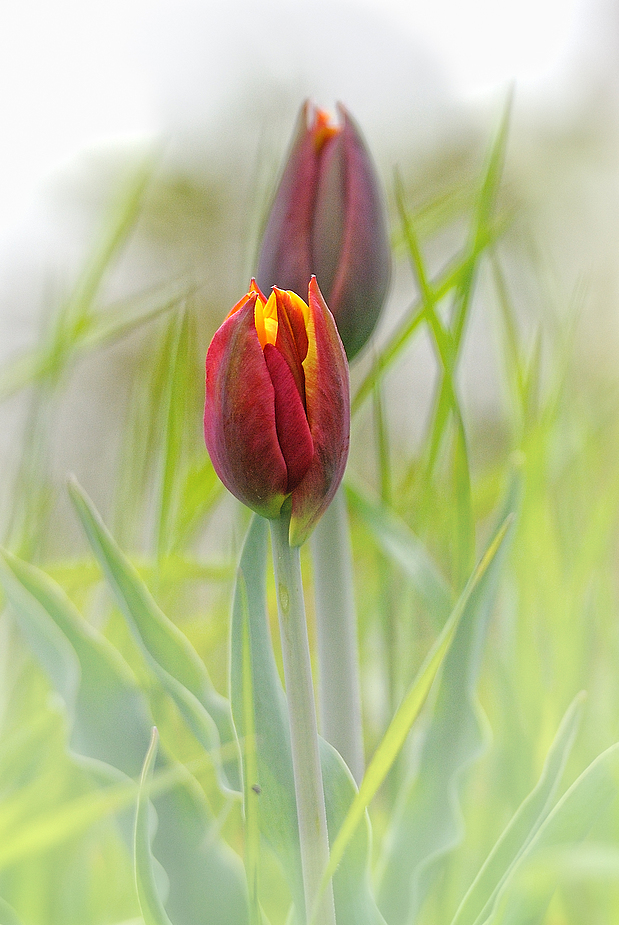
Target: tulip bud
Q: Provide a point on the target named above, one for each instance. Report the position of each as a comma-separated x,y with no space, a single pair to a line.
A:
328,220
277,409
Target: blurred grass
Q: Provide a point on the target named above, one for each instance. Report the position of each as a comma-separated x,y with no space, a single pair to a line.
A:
421,514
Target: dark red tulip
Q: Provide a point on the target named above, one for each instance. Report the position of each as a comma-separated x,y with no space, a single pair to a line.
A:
277,409
328,220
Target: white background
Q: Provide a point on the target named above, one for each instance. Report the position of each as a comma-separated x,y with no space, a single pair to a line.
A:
78,74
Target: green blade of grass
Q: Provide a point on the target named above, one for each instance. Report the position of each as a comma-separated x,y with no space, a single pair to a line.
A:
181,374
29,837
429,299
513,350
199,493
70,819
74,317
415,316
118,320
486,202
118,226
464,521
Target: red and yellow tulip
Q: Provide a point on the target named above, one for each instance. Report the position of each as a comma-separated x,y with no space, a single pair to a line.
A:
277,409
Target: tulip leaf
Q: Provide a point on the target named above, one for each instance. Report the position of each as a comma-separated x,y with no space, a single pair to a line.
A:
532,878
427,823
250,794
525,823
204,873
277,810
411,705
167,650
277,815
111,724
107,716
151,906
401,545
8,916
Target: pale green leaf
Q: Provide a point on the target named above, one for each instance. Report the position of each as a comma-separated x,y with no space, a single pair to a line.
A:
401,545
151,906
394,738
427,824
276,801
107,715
168,651
527,890
354,902
525,823
111,725
8,916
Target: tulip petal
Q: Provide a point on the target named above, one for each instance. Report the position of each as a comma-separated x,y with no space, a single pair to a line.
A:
293,433
285,256
327,396
291,334
359,288
239,416
329,214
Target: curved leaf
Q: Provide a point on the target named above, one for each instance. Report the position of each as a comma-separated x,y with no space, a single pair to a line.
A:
525,823
167,650
427,823
532,879
401,545
8,916
151,906
111,724
410,707
107,715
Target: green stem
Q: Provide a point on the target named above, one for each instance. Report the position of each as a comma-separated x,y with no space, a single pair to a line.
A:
312,816
339,696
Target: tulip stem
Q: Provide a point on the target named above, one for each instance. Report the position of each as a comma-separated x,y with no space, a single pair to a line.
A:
339,696
311,812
